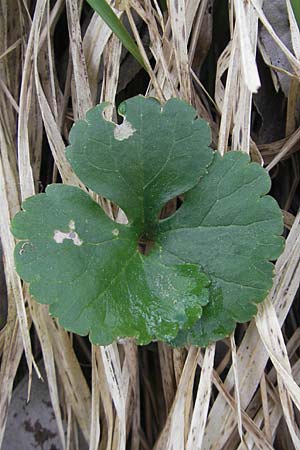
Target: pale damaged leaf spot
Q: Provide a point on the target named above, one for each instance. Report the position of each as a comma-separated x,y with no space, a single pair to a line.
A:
123,131
24,245
60,236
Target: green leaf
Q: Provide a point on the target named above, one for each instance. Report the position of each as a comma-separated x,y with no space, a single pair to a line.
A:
89,270
208,263
117,27
296,9
156,154
234,230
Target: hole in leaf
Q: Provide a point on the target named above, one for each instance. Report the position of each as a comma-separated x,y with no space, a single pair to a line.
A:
120,216
145,245
113,211
171,207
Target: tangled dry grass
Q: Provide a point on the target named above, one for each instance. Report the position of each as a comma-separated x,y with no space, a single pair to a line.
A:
57,59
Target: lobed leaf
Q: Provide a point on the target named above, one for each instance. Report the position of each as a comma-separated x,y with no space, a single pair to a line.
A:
229,227
156,154
209,263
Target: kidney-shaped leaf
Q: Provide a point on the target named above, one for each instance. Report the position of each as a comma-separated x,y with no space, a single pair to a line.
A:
209,262
231,229
89,270
158,152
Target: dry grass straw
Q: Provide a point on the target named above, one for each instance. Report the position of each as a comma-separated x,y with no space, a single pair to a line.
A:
200,410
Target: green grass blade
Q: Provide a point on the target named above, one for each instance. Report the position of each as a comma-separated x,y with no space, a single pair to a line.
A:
107,14
296,8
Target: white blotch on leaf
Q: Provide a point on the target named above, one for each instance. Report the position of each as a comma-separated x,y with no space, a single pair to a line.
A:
115,232
123,131
60,236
